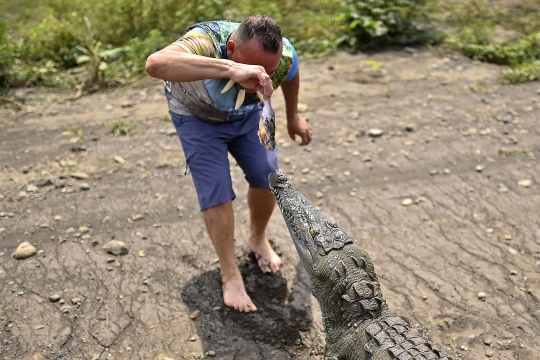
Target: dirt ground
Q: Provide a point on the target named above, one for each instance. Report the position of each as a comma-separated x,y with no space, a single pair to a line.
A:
446,201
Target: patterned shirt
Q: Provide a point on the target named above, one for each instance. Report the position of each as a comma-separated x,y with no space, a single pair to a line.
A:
203,98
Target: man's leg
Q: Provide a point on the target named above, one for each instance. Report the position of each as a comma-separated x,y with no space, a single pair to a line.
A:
219,221
261,204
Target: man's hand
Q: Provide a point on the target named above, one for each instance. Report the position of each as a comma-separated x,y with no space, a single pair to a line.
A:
300,127
252,78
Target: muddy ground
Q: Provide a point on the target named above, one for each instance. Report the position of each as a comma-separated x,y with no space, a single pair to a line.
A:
461,258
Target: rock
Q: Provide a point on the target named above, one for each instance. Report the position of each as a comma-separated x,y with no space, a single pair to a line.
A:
375,132
76,301
84,186
141,253
25,170
25,250
210,353
302,107
512,251
319,195
479,168
513,272
119,159
525,183
305,171
407,202
410,128
137,217
433,172
54,298
84,229
195,315
489,353
22,195
116,247
79,175
482,296
31,188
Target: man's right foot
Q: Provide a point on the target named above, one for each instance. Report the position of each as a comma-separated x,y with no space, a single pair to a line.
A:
235,295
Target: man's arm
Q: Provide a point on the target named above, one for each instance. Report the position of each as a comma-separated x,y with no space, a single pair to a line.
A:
174,64
296,124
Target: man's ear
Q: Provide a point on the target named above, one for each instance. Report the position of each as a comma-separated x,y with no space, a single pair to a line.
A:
231,47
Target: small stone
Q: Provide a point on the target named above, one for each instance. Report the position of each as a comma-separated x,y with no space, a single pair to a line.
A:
116,247
195,315
319,195
79,175
490,230
141,253
57,218
84,186
375,132
31,188
447,171
2,229
38,327
489,353
76,301
488,341
502,190
302,107
433,172
407,202
352,193
25,250
119,159
410,128
482,296
305,170
507,236
513,272
525,183
479,168
287,161
192,338
512,251
54,298
127,104
137,217
84,229
210,353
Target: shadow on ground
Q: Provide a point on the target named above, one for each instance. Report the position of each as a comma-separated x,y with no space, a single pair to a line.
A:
283,312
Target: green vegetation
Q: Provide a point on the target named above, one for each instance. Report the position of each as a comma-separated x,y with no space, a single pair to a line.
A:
92,44
122,128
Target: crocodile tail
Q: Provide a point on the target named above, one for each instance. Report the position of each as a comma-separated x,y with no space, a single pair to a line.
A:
392,337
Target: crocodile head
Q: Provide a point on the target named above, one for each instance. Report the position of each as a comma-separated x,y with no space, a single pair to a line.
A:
321,245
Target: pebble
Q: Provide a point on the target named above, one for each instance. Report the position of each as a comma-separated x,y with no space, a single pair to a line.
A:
116,247
141,253
525,183
319,195
482,296
375,132
119,159
407,202
31,188
305,170
25,250
479,168
84,186
79,175
210,353
57,218
195,314
137,217
54,298
512,251
513,272
84,229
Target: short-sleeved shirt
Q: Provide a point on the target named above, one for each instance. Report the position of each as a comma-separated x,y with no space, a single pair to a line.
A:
203,98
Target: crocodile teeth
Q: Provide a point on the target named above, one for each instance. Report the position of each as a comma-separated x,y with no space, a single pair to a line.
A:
240,98
228,86
261,97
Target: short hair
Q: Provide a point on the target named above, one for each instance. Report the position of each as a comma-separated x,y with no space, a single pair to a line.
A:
264,29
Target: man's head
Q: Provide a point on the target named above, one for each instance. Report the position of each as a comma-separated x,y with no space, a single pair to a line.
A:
257,41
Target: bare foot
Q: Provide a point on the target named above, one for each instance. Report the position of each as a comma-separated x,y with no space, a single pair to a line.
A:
234,294
268,260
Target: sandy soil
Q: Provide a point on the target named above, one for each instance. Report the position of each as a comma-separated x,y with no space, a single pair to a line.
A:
455,142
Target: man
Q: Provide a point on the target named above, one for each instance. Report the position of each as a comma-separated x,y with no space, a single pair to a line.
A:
195,69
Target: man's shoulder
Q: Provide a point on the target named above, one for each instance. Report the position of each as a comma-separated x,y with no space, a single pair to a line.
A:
215,29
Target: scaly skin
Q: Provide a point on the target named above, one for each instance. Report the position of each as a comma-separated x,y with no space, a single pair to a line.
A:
358,323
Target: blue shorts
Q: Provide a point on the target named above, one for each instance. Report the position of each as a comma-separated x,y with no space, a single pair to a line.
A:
206,147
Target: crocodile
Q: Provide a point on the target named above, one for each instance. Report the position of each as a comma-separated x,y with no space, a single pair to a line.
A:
357,320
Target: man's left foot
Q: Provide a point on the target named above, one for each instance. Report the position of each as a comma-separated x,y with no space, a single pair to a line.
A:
267,259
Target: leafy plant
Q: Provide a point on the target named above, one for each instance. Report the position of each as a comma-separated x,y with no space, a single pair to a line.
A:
376,22
122,128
